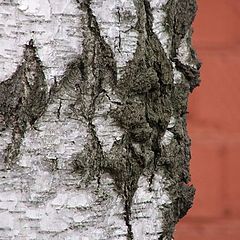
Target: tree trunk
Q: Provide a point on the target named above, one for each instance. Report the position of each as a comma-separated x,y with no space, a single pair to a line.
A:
93,118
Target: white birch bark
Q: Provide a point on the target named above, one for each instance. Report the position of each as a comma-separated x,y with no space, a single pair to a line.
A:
93,141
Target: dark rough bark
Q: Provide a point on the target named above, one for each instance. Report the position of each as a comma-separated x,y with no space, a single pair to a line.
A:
147,98
23,100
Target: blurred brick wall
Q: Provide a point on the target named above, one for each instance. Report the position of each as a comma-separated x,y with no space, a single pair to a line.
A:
214,125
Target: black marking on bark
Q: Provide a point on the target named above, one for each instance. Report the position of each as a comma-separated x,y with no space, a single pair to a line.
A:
180,15
148,98
192,74
98,59
23,100
119,35
176,157
145,90
127,217
59,109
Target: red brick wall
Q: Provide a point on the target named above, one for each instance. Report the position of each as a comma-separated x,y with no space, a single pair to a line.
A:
214,125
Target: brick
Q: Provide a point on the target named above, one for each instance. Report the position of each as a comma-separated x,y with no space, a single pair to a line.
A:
206,171
216,23
231,177
215,105
214,113
217,229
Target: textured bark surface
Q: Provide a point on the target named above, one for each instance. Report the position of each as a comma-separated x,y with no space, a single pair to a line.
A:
93,118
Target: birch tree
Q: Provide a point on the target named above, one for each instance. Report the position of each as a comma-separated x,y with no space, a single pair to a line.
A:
93,104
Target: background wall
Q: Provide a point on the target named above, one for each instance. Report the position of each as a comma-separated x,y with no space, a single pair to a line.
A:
214,125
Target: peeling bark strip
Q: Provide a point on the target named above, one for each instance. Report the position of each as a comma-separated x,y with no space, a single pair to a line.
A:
103,154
